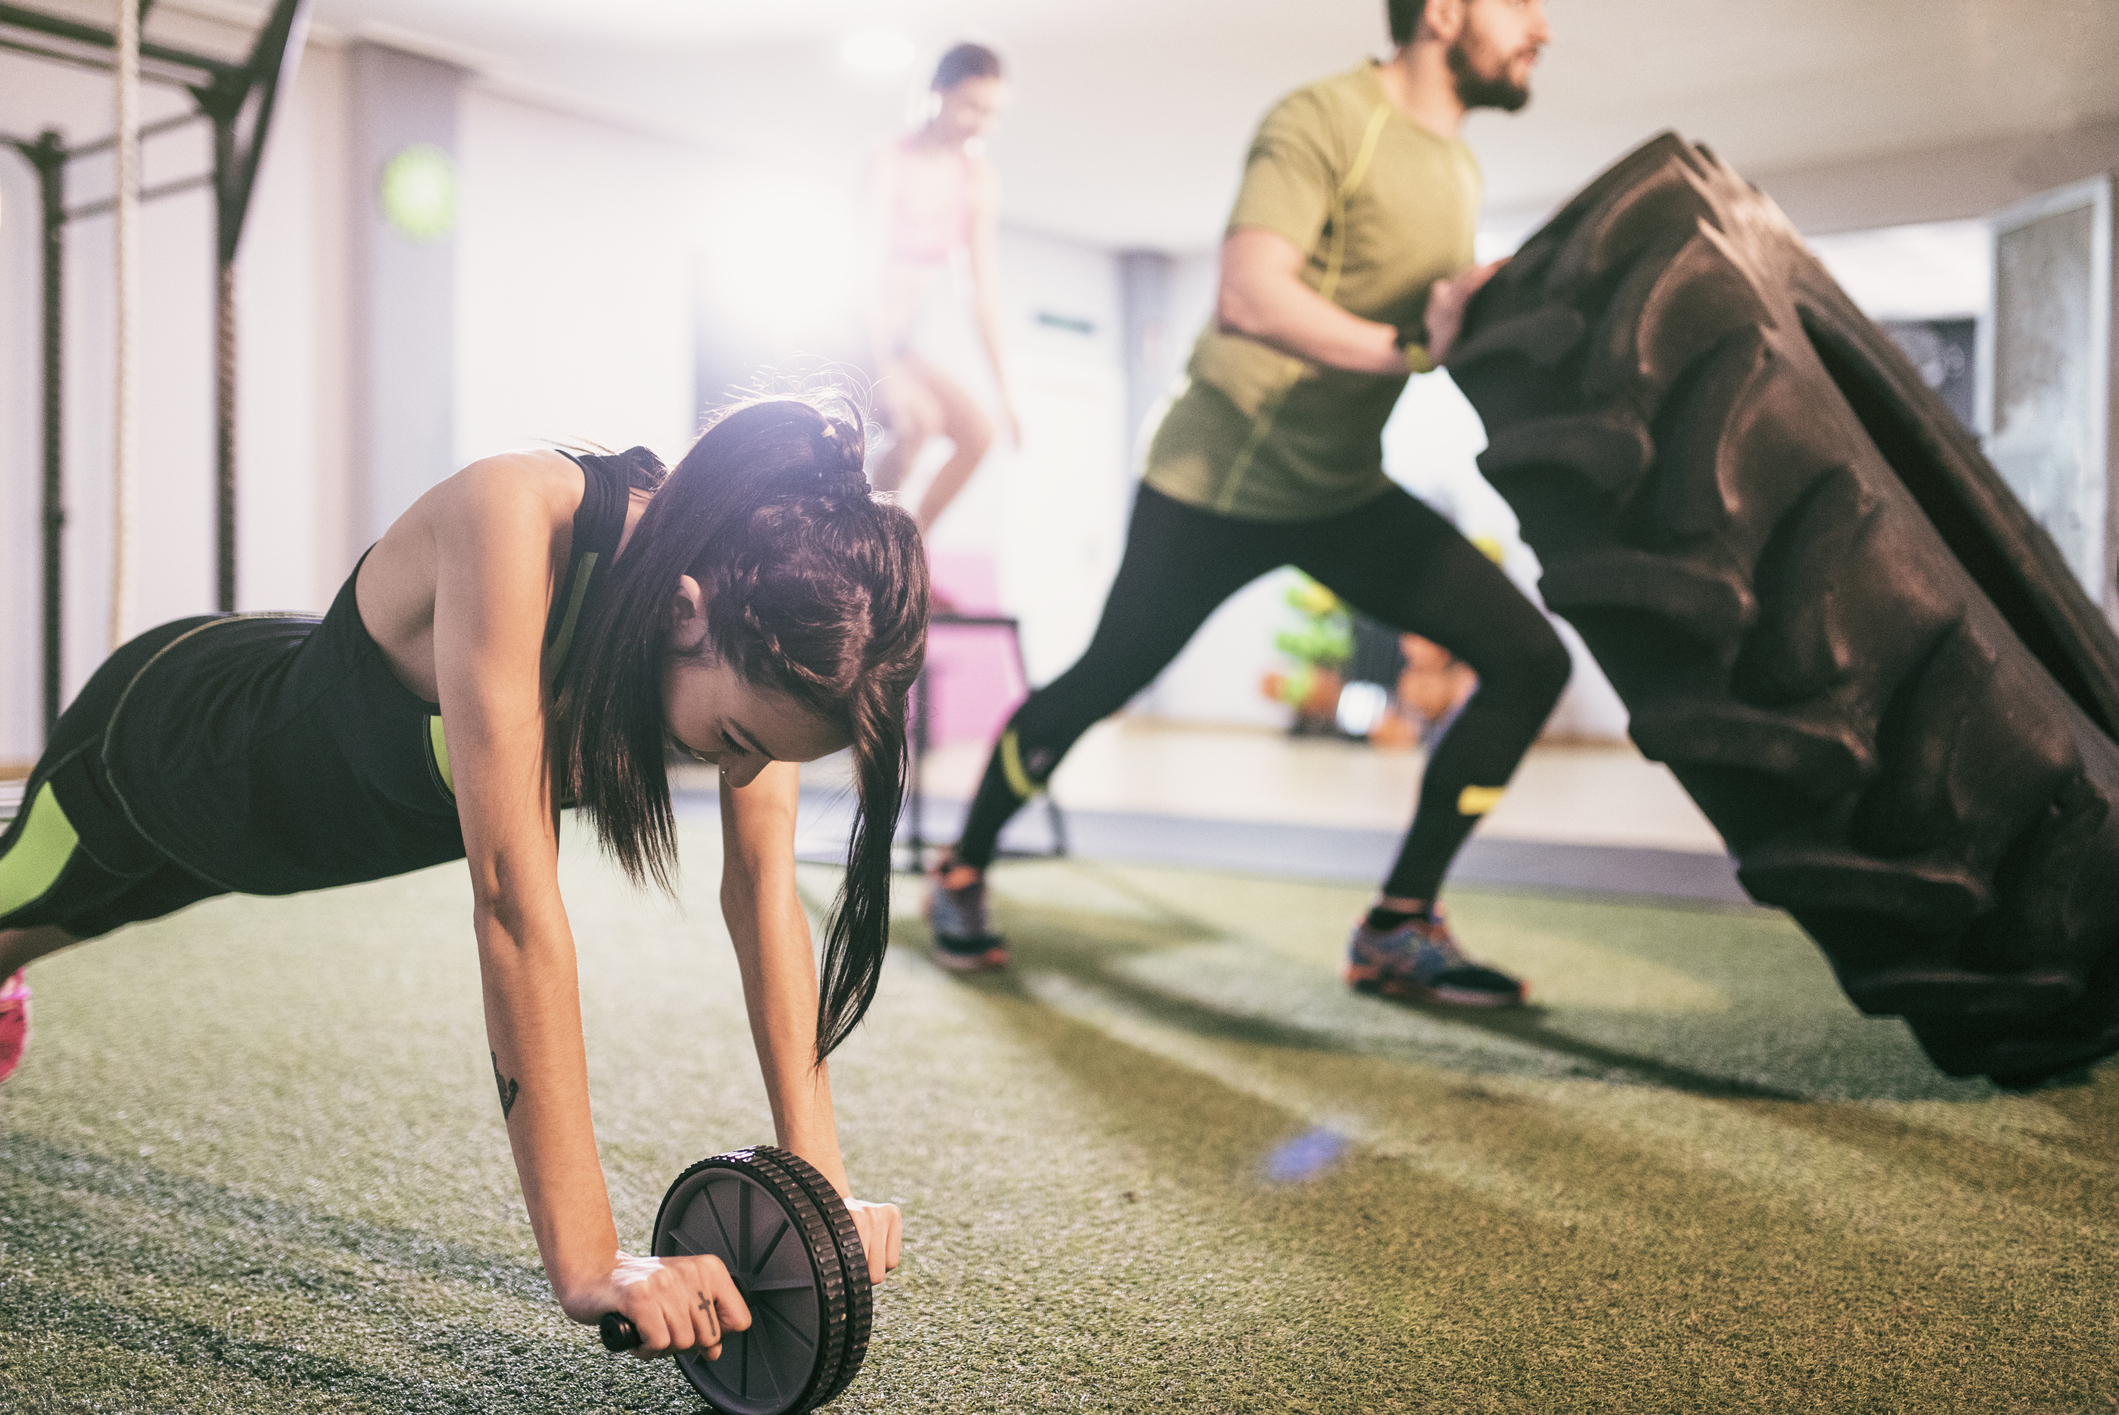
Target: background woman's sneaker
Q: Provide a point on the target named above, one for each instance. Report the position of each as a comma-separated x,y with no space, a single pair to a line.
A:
963,940
14,1023
1418,959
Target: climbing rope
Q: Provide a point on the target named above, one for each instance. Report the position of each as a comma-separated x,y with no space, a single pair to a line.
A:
125,244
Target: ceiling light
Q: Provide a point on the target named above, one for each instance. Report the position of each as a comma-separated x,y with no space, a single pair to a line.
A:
876,52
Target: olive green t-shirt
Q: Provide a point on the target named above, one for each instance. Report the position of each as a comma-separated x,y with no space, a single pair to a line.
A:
1385,207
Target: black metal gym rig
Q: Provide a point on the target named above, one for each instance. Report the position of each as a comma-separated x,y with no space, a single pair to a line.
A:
237,97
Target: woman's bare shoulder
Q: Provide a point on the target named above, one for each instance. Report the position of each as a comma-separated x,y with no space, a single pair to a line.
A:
538,472
515,484
506,511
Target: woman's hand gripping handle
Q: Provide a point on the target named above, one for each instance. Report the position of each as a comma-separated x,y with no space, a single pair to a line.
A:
669,1306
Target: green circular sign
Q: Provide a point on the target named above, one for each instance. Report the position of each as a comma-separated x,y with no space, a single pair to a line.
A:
418,191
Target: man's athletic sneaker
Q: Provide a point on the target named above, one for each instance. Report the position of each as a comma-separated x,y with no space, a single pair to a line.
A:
14,1023
1419,960
963,940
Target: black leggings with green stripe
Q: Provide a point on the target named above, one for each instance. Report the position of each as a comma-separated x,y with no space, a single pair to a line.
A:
70,858
1394,559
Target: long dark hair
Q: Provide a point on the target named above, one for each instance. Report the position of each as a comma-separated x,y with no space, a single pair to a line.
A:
814,590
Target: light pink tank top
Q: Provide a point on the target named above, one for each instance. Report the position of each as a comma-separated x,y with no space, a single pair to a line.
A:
931,217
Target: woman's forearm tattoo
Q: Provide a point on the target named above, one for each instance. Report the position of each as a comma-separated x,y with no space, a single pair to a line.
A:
505,1086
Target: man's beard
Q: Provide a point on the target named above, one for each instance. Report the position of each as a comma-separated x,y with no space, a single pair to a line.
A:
1477,90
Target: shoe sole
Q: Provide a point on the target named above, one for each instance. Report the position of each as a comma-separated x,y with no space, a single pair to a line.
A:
986,962
1376,983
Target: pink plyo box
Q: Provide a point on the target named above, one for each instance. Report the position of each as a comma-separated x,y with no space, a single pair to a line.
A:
972,671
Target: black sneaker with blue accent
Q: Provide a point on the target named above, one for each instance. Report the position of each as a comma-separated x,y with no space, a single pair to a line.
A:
1419,960
964,942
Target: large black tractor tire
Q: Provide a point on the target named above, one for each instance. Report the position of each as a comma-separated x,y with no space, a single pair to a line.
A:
1823,608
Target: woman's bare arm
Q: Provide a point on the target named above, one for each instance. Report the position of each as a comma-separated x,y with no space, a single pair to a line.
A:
773,949
985,284
493,567
493,531
878,283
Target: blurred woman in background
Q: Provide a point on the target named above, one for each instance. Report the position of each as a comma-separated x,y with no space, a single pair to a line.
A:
933,197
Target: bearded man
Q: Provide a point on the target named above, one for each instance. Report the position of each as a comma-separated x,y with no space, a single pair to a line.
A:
1346,269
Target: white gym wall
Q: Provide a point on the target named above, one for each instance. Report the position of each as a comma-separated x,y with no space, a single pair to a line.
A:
572,309
589,169
574,283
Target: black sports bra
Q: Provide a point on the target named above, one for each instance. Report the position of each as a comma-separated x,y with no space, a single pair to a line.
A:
598,527
272,754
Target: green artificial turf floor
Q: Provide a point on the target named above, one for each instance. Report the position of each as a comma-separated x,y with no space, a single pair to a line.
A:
254,1162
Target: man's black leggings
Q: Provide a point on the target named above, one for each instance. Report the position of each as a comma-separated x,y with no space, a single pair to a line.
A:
1392,558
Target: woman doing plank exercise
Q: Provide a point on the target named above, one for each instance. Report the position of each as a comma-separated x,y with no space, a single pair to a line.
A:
536,629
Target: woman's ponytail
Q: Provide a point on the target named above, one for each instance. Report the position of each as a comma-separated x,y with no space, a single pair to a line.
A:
814,589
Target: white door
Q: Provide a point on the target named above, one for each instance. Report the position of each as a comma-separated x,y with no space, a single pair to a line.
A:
2045,370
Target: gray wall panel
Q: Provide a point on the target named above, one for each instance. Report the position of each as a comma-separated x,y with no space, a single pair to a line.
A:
404,292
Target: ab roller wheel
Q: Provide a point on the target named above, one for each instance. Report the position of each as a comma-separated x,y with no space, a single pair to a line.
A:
786,1238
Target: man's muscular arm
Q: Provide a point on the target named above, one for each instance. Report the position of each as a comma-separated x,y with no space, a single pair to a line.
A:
1262,297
